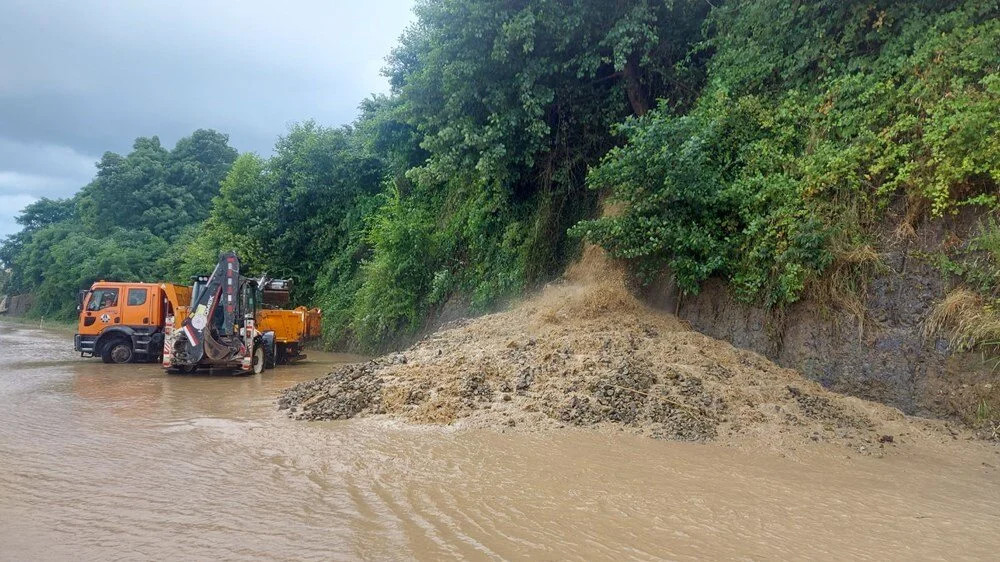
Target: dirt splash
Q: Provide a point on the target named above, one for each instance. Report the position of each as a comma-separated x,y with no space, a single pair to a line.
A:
586,352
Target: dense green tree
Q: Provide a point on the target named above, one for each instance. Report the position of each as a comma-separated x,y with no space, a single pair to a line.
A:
32,218
155,189
301,212
817,117
60,259
512,102
4,280
44,212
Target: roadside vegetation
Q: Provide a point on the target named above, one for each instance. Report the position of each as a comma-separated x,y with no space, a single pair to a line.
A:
762,142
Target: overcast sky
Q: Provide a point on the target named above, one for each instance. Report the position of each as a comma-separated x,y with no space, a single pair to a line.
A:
80,77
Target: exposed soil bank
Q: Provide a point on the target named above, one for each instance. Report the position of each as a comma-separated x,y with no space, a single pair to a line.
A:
15,305
585,352
874,347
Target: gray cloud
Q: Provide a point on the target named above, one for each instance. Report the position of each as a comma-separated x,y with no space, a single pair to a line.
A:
81,77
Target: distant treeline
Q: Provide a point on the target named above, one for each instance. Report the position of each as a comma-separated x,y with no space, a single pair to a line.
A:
123,225
756,141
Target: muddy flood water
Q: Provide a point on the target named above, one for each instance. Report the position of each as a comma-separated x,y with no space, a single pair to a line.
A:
126,462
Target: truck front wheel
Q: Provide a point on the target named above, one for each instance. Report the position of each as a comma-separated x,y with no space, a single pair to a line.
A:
118,350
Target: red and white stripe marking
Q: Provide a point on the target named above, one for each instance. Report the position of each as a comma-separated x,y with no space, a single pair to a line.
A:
191,336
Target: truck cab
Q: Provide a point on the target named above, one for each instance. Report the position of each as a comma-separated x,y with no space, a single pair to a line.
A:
124,322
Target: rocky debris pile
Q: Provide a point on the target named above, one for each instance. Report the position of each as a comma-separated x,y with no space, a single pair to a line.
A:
589,354
349,391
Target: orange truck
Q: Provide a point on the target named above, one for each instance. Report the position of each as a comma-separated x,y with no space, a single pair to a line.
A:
129,322
124,322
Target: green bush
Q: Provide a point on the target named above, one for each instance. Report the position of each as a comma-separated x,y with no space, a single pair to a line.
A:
398,277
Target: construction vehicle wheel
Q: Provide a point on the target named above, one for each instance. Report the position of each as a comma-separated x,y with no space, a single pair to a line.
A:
269,359
257,363
118,350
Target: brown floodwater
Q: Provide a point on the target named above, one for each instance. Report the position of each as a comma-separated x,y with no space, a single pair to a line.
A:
126,462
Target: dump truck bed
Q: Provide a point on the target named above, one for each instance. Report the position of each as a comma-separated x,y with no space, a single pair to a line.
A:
290,326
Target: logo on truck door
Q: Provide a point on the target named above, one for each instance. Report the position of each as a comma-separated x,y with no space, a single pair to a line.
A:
105,318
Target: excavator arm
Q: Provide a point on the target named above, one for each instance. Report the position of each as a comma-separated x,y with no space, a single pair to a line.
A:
210,330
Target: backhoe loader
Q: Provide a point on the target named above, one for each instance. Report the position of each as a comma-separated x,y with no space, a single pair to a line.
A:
226,326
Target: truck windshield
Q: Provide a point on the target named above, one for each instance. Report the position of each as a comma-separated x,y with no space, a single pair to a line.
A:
102,298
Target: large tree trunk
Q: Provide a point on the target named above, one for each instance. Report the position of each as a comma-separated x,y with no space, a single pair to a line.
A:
636,94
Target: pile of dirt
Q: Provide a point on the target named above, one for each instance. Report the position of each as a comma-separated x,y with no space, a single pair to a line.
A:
586,352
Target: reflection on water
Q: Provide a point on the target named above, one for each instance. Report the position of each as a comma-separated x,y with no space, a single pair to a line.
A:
101,461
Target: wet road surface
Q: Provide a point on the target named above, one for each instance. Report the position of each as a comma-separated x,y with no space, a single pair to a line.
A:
123,462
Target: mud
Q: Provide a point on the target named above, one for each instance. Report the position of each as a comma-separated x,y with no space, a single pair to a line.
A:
585,352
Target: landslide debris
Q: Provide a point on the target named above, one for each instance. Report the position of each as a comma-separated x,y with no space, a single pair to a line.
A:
586,352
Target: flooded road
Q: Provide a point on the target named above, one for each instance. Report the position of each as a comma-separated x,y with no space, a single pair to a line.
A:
125,462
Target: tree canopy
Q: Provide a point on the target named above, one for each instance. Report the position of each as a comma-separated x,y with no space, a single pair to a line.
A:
155,189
